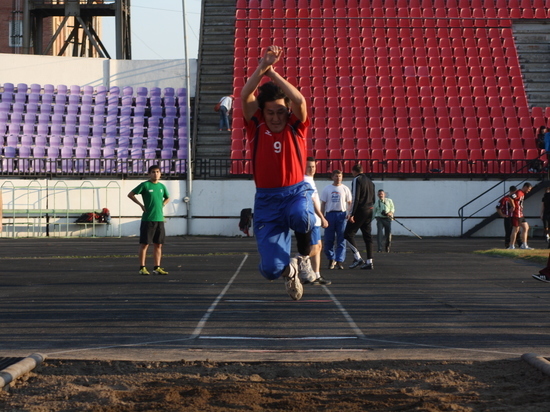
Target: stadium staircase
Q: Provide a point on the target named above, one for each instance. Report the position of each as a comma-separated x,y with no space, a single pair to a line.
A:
215,77
532,43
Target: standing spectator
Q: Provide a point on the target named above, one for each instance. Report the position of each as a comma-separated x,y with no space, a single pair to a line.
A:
540,137
544,274
276,128
545,214
155,196
362,192
320,221
335,205
518,219
505,209
226,104
384,210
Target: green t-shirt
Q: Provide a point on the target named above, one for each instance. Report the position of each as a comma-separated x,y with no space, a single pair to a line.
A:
153,195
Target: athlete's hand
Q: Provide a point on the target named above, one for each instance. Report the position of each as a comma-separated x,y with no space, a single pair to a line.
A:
324,222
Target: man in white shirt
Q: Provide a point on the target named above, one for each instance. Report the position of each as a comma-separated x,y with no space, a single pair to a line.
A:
320,221
226,104
335,203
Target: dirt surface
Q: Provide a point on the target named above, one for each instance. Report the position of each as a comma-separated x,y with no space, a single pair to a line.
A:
66,385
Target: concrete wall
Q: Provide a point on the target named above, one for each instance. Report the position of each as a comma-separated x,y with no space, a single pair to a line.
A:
19,68
429,208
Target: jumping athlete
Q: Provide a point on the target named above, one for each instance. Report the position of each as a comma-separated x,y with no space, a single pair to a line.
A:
276,128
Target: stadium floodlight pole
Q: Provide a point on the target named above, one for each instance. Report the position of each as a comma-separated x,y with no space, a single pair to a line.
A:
189,188
395,220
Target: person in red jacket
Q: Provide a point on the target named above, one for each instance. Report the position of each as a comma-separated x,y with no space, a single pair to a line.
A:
276,129
518,219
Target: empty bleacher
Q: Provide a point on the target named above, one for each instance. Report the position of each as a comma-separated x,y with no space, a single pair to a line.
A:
67,130
404,86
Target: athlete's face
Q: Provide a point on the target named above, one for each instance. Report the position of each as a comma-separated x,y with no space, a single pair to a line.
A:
381,195
311,168
276,115
154,175
337,178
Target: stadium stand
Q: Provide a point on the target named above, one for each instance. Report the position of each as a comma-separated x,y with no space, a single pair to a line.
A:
410,86
77,130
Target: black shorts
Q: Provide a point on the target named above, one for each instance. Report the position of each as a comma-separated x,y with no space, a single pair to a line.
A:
151,232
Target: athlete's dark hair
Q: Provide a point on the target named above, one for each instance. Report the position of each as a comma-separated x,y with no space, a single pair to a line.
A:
154,167
269,92
357,168
513,188
528,185
336,172
310,159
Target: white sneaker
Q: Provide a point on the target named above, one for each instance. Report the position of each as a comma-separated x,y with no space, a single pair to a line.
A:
525,246
293,285
511,247
305,272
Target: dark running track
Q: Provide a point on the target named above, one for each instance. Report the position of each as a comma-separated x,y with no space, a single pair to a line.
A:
429,299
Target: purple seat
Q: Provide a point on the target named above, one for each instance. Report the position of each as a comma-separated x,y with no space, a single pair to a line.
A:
12,140
34,98
138,132
154,121
20,98
101,90
110,142
97,130
109,159
138,121
38,163
27,140
74,89
156,111
70,129
111,121
155,92
23,165
49,89
152,143
142,91
84,130
52,155
95,141
110,131
87,90
32,108
59,109
127,100
35,88
60,99
47,98
137,142
68,141
181,163
81,154
18,108
127,91
7,97
62,89
114,91
8,163
40,140
28,128
171,111
9,87
22,88
95,162
98,120
46,109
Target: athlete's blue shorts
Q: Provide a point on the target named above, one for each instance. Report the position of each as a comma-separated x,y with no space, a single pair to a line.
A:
276,212
316,235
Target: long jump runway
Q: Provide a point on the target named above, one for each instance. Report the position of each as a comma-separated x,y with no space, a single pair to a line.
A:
429,299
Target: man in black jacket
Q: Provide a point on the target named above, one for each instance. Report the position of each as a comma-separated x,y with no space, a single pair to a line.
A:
363,194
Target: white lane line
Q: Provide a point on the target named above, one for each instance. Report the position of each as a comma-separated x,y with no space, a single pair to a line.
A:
279,338
212,307
350,320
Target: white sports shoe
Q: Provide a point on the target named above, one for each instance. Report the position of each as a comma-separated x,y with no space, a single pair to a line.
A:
293,285
511,247
525,246
305,271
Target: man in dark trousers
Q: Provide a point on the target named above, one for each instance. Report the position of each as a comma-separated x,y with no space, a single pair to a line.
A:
363,195
505,208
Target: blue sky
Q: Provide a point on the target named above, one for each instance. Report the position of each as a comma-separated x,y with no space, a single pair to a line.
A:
157,29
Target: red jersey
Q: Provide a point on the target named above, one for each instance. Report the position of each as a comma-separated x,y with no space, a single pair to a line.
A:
278,159
518,203
505,206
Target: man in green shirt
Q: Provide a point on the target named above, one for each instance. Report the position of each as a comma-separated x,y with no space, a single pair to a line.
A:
155,196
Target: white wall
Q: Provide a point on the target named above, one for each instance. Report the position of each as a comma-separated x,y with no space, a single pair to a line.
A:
429,208
82,71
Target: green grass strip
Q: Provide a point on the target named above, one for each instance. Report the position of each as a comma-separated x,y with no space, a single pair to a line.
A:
536,255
